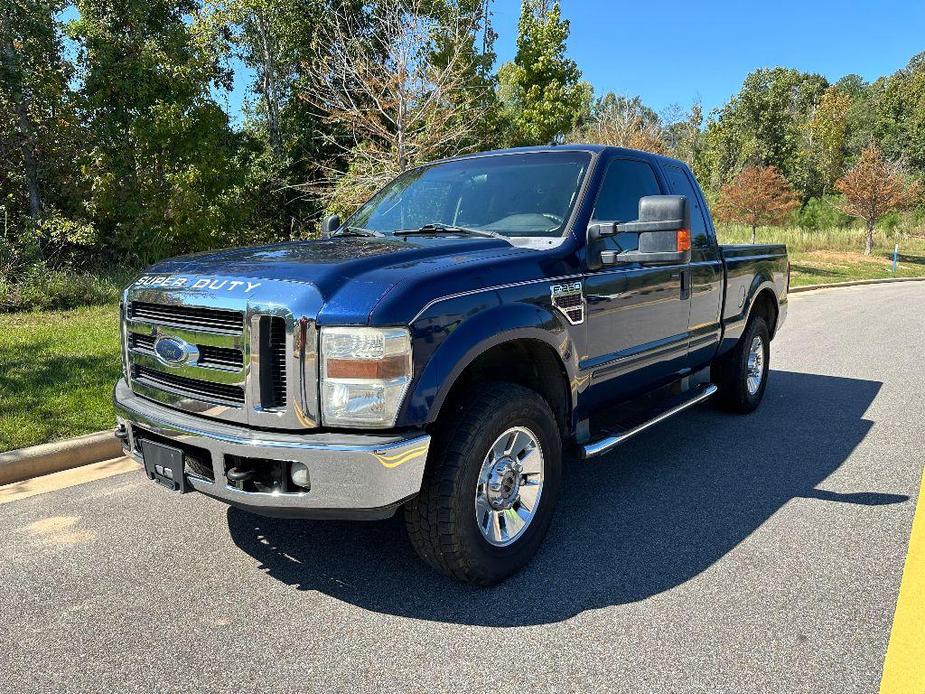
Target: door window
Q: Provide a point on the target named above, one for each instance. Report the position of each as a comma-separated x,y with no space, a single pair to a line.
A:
625,181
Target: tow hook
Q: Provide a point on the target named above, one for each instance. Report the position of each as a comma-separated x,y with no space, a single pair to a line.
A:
121,433
238,474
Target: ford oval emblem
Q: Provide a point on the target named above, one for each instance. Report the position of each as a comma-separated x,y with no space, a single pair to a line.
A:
172,351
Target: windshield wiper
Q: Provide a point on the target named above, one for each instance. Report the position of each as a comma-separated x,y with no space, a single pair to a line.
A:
449,229
356,231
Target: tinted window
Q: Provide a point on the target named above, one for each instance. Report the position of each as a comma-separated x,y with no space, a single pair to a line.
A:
625,181
680,184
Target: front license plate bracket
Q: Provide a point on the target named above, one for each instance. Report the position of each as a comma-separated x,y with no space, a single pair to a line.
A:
164,465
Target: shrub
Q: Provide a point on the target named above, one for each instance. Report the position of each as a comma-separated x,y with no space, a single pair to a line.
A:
43,289
890,221
821,213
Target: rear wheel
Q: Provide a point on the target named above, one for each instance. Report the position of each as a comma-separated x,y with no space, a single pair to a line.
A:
490,489
742,374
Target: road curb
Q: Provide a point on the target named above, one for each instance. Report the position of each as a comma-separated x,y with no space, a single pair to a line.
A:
34,461
853,283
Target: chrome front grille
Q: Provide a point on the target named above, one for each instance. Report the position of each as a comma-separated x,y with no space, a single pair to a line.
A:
213,376
193,318
247,359
220,358
273,366
209,357
207,391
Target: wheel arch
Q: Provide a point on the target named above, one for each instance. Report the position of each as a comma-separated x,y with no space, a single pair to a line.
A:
762,298
532,343
765,305
521,358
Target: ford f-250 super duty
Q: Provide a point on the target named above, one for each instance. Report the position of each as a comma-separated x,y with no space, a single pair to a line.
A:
438,350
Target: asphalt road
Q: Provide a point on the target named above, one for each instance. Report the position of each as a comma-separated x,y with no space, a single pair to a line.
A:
713,553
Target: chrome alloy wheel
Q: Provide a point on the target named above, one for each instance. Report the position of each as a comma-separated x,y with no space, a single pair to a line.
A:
755,366
509,487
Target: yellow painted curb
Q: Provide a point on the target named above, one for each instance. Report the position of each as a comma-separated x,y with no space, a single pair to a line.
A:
904,667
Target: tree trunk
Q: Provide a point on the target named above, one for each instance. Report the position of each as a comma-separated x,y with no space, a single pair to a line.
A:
401,155
869,239
268,85
753,233
29,164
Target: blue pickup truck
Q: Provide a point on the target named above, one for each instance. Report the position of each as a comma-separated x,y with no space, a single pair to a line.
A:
441,350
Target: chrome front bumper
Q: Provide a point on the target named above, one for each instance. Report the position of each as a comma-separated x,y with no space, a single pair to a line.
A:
352,475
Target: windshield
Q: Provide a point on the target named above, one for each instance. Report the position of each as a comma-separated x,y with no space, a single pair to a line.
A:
528,194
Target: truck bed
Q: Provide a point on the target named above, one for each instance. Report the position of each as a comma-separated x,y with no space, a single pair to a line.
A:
748,267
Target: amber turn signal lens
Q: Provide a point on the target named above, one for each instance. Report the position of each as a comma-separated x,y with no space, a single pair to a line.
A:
684,240
380,369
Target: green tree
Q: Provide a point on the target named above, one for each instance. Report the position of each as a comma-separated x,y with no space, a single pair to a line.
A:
859,121
25,35
41,137
899,114
825,137
763,126
684,134
161,165
473,50
275,40
541,89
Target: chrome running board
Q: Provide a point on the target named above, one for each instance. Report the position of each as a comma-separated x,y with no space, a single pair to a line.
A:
608,443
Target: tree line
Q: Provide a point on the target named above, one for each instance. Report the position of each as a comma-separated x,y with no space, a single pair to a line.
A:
118,145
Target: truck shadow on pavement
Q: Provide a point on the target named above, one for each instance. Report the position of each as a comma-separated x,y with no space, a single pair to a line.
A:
651,515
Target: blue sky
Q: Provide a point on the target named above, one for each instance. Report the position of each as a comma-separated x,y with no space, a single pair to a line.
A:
673,52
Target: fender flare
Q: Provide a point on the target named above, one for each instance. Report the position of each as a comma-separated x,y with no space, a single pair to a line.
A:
734,327
475,336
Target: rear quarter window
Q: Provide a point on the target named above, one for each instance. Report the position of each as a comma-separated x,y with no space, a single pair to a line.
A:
680,184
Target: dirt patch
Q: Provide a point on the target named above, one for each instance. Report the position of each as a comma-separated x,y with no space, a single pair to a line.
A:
59,530
845,258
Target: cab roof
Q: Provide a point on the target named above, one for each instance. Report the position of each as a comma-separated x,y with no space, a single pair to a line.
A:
573,147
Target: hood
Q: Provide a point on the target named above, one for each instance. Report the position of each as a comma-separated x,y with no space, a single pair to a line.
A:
350,274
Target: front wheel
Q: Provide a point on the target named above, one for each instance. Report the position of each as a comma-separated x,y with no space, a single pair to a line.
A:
742,374
490,490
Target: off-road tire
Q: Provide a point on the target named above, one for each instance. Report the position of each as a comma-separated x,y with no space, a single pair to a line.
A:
441,519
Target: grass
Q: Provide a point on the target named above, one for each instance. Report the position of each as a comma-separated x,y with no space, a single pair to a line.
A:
57,370
837,255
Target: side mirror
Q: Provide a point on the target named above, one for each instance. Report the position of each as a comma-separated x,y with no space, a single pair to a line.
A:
329,225
664,233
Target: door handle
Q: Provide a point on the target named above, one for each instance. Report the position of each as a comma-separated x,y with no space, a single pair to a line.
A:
685,284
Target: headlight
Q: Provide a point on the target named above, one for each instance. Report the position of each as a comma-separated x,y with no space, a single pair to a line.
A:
364,375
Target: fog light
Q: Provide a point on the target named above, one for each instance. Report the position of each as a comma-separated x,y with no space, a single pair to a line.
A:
298,473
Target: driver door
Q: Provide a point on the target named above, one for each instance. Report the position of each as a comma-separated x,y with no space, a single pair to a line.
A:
637,316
